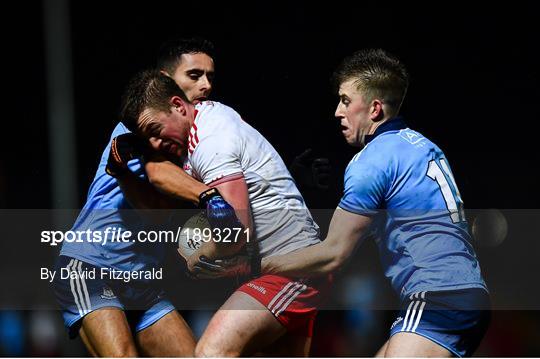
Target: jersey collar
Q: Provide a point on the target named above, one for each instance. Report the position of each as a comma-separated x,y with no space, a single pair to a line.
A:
393,124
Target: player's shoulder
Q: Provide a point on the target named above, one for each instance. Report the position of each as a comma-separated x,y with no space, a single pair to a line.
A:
392,148
214,117
367,160
402,144
217,110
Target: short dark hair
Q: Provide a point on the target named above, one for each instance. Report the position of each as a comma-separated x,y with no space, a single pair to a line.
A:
170,53
149,89
377,74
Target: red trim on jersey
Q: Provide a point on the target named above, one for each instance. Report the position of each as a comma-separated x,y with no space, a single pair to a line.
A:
192,145
193,139
195,134
227,178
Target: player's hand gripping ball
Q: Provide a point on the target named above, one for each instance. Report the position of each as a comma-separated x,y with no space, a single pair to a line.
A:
194,233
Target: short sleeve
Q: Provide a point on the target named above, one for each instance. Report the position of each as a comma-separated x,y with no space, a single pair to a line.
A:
364,189
216,157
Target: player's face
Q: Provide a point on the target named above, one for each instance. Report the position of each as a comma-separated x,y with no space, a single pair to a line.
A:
168,132
354,114
195,75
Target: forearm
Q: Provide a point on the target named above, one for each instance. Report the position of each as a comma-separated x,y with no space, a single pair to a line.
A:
142,195
345,233
311,261
235,191
171,180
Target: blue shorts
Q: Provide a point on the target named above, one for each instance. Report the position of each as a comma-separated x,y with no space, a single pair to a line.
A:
456,320
143,302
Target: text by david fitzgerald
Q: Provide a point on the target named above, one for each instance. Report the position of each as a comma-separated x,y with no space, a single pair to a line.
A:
102,273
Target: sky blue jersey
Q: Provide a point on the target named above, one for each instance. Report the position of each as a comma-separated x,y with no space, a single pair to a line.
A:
105,208
404,181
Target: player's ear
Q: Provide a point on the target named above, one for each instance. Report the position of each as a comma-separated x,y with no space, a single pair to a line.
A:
377,112
178,104
155,142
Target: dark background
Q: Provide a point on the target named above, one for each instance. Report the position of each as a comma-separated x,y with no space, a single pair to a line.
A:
474,91
474,85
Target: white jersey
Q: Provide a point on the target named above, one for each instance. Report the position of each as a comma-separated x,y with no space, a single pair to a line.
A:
221,144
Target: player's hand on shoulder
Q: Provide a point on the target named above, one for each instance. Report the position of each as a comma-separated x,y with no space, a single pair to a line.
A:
311,171
123,149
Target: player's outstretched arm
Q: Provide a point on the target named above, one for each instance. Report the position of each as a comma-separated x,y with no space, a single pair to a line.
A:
171,180
346,230
142,195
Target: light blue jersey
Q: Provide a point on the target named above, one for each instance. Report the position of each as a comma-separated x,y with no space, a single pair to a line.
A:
404,181
105,208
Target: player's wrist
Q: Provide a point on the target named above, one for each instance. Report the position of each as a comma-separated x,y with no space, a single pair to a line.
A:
206,196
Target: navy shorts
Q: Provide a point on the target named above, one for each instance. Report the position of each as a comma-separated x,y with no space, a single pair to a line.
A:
143,303
456,320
